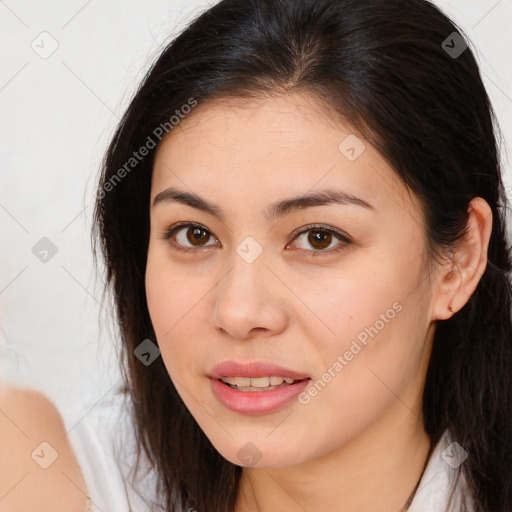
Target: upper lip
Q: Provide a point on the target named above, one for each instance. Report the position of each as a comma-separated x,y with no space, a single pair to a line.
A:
253,369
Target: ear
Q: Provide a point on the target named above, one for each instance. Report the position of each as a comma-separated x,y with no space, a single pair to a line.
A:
460,276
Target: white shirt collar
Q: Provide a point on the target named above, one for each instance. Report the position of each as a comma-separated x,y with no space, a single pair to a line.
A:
439,477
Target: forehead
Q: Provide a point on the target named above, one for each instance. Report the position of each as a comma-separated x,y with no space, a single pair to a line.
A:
269,147
262,119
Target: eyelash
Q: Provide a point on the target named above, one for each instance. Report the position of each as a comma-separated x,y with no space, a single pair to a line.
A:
170,231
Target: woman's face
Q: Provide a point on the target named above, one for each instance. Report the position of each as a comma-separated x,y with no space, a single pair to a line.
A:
254,290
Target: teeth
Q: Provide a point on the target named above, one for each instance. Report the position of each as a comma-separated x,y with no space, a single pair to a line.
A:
259,382
228,380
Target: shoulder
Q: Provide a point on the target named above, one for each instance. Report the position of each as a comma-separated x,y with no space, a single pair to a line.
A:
38,463
28,405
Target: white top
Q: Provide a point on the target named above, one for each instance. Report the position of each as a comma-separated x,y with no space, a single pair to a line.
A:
103,440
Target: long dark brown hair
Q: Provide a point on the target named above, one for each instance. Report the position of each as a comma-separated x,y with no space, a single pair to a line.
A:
390,69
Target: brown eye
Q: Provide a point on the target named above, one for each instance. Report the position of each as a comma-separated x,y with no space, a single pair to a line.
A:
192,236
197,236
188,236
319,239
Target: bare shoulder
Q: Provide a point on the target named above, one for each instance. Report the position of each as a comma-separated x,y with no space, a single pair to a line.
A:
39,470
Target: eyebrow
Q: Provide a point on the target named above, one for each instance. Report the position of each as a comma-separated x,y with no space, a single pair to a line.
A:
274,211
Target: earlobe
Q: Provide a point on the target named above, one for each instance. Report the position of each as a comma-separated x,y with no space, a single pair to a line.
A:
466,267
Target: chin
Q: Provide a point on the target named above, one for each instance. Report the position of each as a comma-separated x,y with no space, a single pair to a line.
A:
260,452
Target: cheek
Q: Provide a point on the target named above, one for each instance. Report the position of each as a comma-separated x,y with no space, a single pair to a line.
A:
350,306
169,291
375,324
176,303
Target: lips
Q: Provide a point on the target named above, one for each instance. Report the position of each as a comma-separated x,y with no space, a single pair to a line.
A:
255,387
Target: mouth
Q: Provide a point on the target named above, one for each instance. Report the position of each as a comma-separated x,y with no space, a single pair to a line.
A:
256,387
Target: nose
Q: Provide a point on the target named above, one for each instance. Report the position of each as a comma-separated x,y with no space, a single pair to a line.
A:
250,299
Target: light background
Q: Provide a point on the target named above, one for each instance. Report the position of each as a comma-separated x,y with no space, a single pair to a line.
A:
57,115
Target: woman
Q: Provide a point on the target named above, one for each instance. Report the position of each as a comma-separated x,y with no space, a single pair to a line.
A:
301,216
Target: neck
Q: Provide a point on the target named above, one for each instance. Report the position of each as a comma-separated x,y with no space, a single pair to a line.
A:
375,472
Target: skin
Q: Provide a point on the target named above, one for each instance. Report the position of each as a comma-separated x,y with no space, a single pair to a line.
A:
27,419
359,444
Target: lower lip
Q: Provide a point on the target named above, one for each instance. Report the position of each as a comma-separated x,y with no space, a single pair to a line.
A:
256,402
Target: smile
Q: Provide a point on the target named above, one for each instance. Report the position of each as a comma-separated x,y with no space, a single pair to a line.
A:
257,383
256,400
